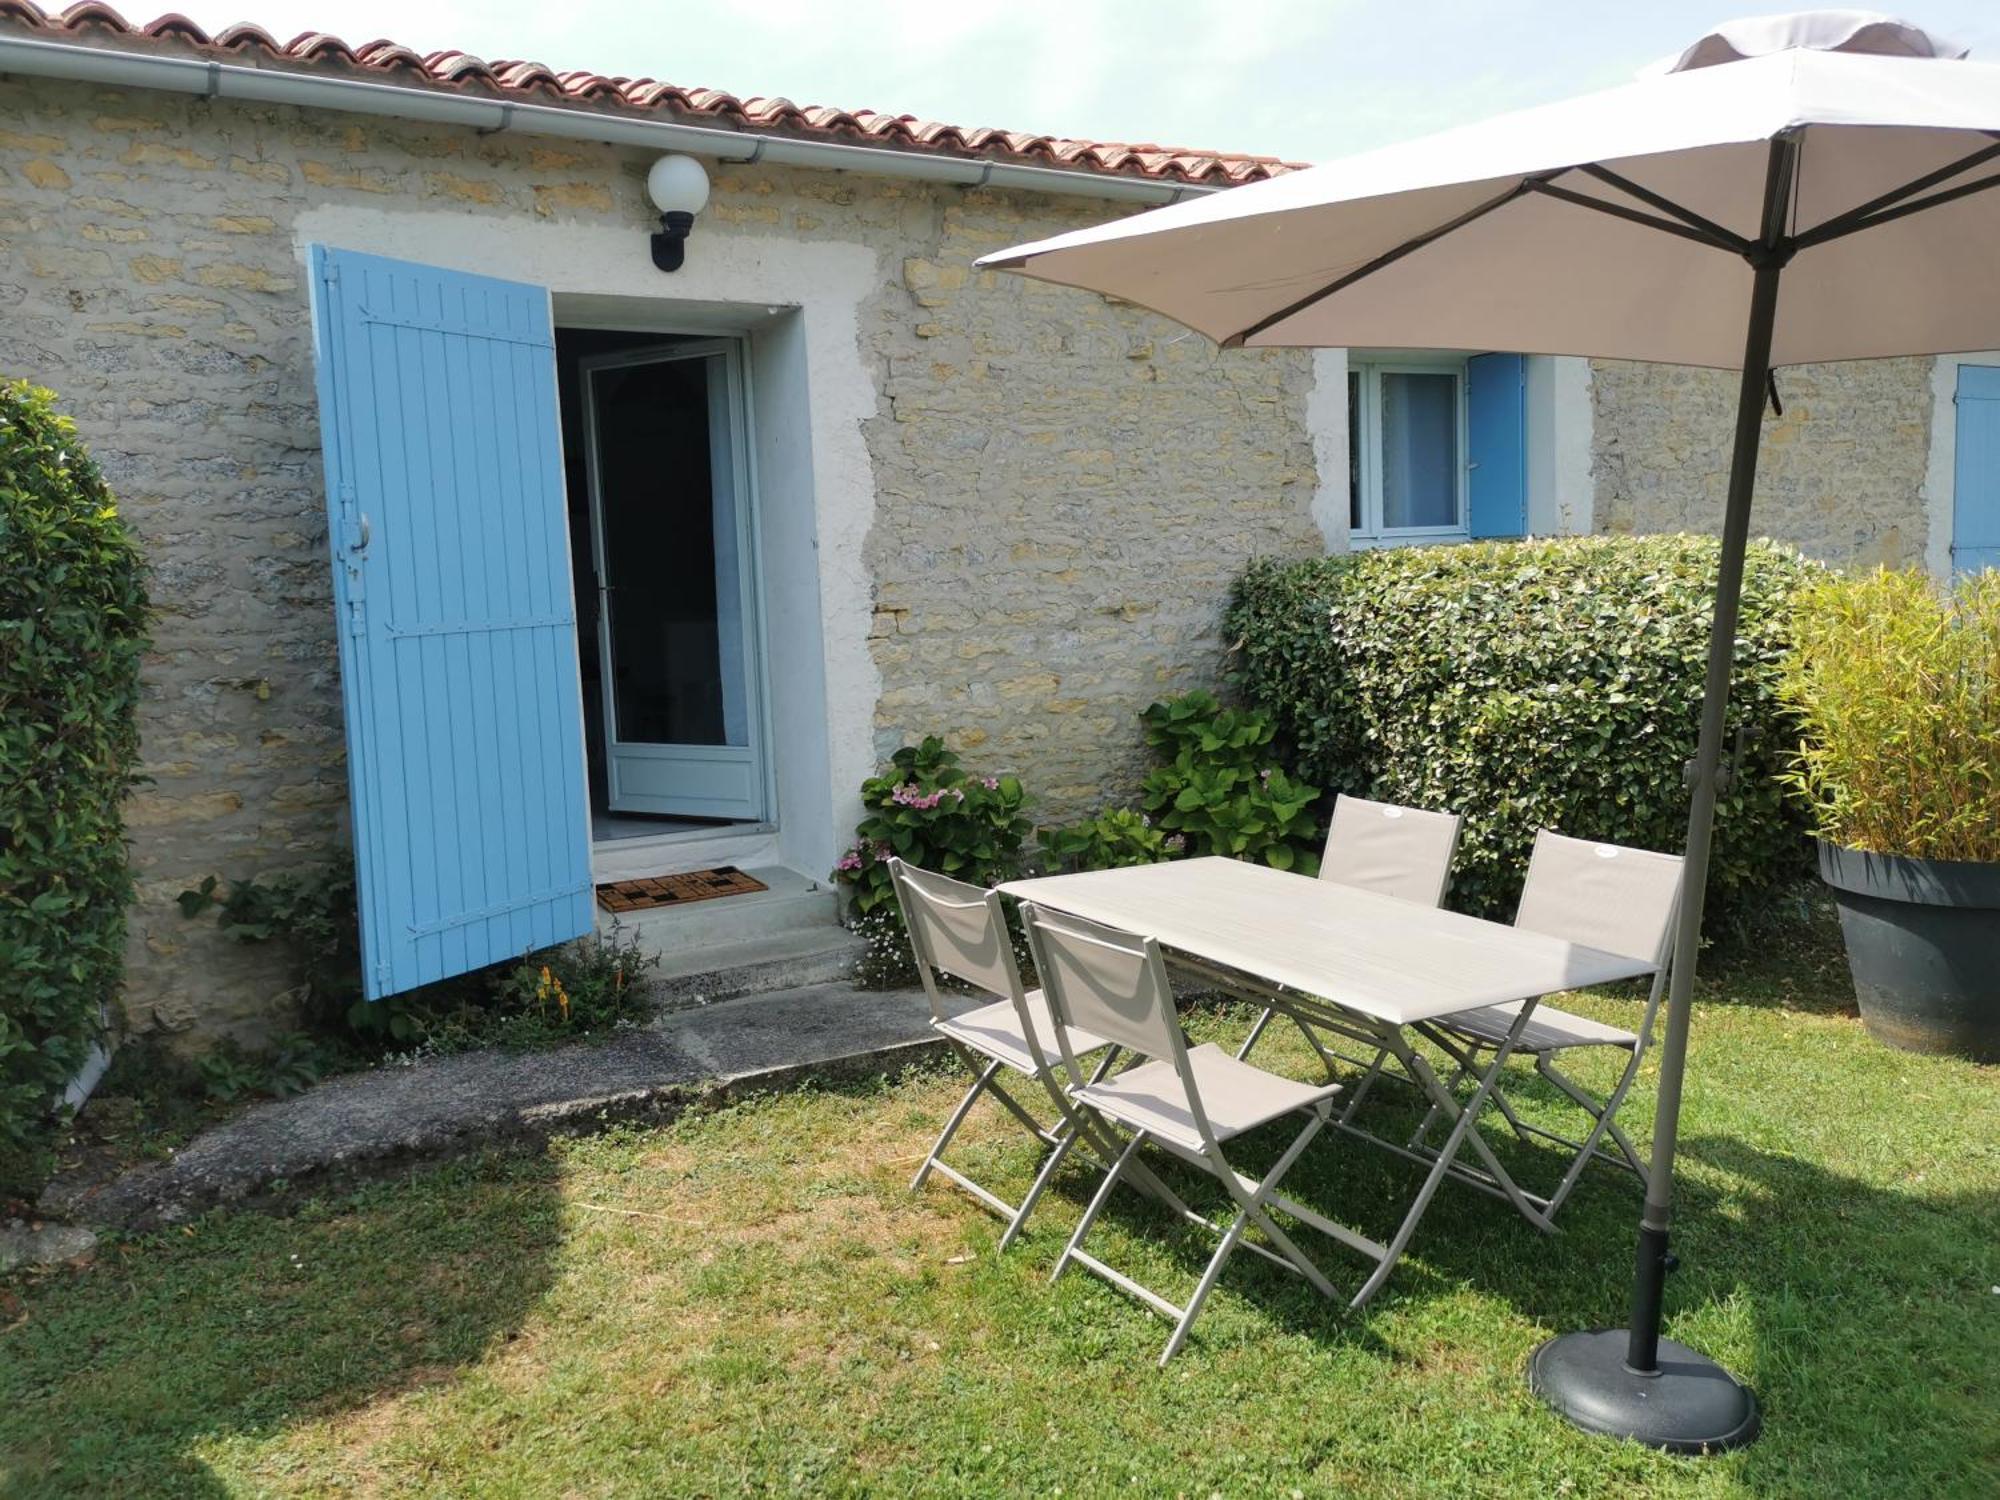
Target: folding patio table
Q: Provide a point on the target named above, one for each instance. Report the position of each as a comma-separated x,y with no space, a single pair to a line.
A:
1360,964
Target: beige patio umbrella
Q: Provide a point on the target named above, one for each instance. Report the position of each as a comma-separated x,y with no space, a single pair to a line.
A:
1791,189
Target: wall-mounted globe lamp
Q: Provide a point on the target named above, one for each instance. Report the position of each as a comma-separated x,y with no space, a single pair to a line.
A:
679,189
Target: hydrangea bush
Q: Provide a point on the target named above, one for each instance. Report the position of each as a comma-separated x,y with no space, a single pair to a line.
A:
929,810
1115,838
1221,789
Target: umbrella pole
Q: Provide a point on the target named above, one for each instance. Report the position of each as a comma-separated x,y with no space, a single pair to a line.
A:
1612,1381
1642,1348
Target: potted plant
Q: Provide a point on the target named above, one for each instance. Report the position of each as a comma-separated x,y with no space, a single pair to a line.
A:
1896,683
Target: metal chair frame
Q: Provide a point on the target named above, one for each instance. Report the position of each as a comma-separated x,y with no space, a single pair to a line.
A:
921,908
1464,1047
1149,1027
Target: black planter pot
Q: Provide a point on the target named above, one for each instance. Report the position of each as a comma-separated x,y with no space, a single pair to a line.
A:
1923,944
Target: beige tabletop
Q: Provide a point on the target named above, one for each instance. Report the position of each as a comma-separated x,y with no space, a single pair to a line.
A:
1394,960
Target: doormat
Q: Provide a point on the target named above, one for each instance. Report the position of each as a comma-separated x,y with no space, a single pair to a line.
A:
676,890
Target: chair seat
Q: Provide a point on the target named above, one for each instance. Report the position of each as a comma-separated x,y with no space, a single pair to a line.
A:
995,1031
1548,1030
1236,1096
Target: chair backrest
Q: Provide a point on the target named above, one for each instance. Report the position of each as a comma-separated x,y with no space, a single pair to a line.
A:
1395,851
958,929
1105,980
1604,896
1114,983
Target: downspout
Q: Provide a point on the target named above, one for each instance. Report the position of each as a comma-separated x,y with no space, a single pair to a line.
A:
253,85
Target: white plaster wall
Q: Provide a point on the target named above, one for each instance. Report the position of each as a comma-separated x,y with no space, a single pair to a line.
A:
1326,424
1561,499
794,596
1941,467
799,300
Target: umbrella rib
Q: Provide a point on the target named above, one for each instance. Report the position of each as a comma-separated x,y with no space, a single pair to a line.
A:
1863,215
1723,240
1689,226
1385,259
1667,205
1833,230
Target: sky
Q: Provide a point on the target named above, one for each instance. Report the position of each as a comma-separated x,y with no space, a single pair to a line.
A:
1307,80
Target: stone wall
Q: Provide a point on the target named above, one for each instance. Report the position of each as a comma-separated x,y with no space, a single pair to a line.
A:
1062,487
1065,488
1841,473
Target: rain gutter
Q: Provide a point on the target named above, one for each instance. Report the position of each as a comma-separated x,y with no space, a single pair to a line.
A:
258,85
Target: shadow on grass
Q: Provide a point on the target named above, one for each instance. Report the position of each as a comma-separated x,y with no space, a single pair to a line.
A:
1861,1315
243,1324
1873,1314
1792,959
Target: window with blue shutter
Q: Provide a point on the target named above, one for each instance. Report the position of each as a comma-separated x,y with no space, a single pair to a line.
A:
1975,490
455,610
1437,447
1496,425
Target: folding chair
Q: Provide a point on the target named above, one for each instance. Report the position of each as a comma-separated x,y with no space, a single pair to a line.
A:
960,930
1403,852
1102,982
1601,896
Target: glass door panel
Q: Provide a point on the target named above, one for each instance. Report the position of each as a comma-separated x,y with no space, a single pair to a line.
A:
671,542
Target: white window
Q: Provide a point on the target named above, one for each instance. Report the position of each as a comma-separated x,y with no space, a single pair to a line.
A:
1406,427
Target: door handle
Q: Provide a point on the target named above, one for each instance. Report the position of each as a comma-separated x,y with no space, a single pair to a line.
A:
360,534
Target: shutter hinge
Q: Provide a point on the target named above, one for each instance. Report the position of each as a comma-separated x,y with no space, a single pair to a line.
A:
330,272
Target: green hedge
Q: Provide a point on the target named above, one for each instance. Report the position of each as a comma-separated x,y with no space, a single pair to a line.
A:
1531,684
72,630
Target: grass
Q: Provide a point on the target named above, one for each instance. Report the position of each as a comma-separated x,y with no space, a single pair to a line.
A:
751,1300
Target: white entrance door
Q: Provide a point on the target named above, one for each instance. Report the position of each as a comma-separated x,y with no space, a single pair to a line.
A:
671,540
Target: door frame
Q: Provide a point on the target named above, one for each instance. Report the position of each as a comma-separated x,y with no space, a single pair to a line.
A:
733,348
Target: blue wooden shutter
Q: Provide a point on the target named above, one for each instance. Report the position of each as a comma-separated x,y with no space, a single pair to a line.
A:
1496,422
1975,488
452,584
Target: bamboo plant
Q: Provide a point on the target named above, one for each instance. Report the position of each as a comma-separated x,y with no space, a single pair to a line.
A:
1896,682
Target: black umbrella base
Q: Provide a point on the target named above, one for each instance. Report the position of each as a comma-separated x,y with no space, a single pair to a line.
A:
1690,1405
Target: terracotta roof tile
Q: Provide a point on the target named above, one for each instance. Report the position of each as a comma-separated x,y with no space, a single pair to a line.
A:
459,70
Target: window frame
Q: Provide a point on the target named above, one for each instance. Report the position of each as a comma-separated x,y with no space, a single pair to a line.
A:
1364,439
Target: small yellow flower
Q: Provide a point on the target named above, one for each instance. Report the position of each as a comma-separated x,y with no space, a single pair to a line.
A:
562,999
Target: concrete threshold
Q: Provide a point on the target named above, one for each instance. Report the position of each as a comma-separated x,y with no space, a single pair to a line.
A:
366,1124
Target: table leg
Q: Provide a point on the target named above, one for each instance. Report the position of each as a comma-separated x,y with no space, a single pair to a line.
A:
1464,1122
1502,1179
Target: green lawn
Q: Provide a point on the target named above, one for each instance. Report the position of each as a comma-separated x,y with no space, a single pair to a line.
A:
752,1301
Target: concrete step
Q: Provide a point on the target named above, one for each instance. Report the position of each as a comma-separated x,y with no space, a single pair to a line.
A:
756,966
781,938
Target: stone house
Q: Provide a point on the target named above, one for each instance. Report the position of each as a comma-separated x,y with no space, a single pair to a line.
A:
484,542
